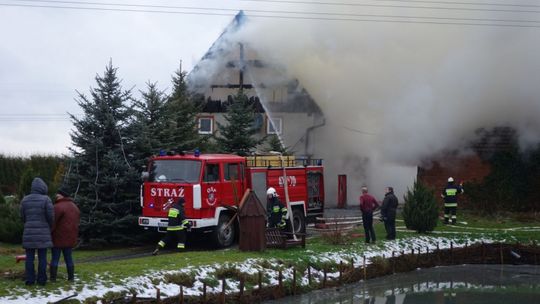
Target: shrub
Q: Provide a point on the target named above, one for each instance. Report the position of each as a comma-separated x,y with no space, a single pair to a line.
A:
11,226
421,210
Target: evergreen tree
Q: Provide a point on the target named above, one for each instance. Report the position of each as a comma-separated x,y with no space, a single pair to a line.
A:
106,180
25,182
238,135
180,131
11,226
274,144
421,210
150,123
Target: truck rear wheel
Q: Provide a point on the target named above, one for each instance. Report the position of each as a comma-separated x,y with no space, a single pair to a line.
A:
224,236
299,221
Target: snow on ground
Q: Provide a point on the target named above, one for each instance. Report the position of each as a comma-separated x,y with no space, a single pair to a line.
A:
145,286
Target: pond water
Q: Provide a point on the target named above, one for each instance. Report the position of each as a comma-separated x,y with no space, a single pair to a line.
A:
489,284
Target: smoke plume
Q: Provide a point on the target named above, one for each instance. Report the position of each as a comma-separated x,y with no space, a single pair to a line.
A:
397,94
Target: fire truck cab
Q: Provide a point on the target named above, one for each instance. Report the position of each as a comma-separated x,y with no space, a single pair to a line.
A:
213,185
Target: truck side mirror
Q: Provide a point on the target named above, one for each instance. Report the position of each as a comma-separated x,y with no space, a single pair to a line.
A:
145,175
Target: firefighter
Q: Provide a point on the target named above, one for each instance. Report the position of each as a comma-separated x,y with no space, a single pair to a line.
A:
176,228
276,210
449,194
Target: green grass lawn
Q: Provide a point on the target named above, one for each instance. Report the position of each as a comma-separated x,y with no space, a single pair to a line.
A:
87,265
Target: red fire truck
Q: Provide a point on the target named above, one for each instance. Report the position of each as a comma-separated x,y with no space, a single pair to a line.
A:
213,184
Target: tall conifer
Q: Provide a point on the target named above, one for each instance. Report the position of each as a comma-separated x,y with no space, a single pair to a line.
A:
104,176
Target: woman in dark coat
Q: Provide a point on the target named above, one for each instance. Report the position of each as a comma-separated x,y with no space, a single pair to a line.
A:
38,217
65,232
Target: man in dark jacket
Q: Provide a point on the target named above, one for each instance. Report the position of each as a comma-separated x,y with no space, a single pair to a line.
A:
65,232
277,212
37,216
176,227
388,213
368,204
449,194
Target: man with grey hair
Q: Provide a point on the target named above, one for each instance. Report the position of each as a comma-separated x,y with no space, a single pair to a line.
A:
367,205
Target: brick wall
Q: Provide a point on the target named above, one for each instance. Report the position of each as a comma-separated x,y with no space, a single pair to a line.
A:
466,169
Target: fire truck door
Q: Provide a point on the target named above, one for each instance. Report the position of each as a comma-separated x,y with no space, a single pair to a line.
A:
212,192
232,183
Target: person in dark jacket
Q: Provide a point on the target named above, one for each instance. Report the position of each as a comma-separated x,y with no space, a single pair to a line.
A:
38,217
277,212
388,213
449,194
65,232
176,227
368,204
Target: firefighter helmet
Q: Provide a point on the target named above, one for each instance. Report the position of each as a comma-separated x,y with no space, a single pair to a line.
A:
271,192
450,179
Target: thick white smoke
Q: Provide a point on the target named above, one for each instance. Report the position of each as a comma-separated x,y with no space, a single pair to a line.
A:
396,94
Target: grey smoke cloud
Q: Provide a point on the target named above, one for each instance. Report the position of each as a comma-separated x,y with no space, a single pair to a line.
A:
398,94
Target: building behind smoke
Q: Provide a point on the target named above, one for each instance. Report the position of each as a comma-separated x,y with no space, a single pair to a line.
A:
472,165
283,107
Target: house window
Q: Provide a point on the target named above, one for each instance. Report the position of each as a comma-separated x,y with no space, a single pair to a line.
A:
275,127
206,125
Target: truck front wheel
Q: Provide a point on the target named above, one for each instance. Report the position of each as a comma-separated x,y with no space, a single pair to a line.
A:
224,236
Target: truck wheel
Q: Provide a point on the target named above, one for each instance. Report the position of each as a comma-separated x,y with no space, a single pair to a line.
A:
299,221
224,236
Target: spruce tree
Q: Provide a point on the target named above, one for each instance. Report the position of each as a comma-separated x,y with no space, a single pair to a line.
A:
11,226
274,144
238,134
180,130
421,210
107,183
150,122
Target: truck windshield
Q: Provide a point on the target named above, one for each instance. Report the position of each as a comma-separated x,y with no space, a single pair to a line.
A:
185,171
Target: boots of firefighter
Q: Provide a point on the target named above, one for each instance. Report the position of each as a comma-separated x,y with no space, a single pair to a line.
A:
71,273
53,272
160,245
181,246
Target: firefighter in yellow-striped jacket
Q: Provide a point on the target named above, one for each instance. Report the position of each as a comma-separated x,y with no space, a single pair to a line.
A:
277,212
449,194
176,228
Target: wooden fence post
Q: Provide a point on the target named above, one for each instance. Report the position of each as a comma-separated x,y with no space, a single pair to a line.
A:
393,262
260,285
309,274
364,267
501,252
158,295
483,253
324,278
204,293
241,289
280,280
451,252
181,297
223,287
438,253
294,280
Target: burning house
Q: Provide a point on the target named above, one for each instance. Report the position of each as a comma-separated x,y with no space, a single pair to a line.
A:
284,108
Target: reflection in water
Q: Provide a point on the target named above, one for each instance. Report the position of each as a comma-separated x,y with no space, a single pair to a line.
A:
493,284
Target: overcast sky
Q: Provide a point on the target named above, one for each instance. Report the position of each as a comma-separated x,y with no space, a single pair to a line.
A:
48,53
